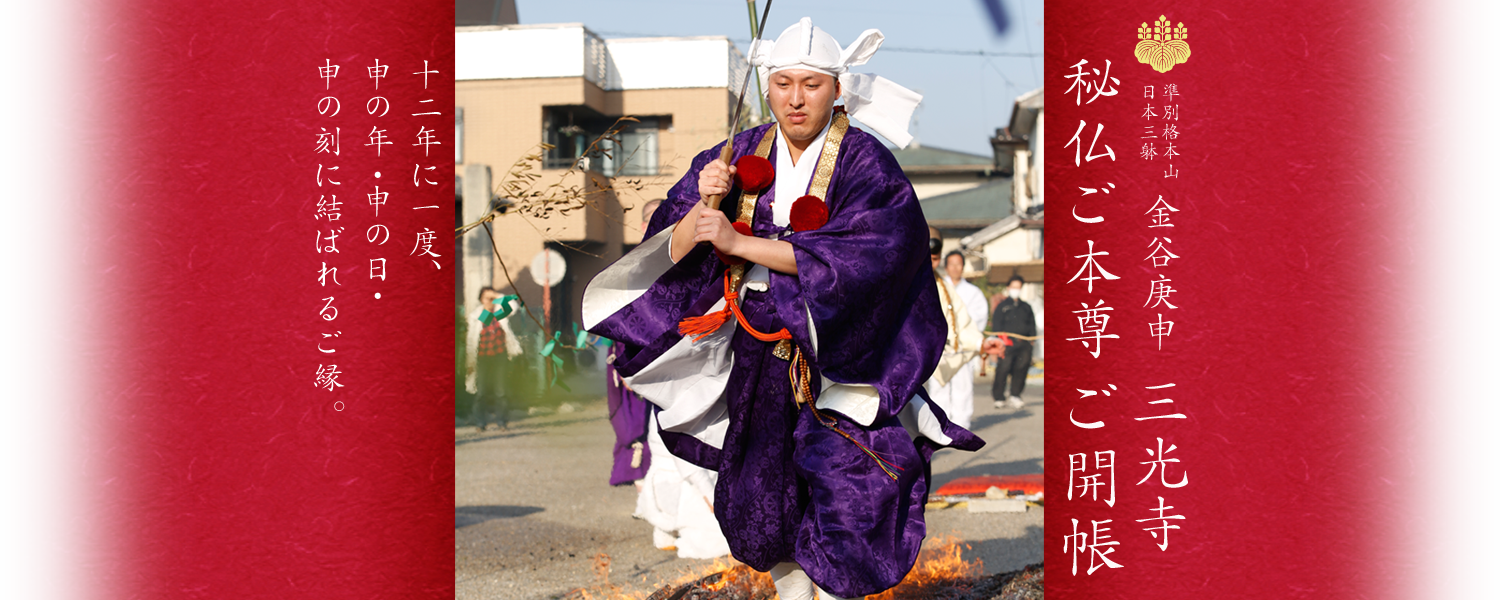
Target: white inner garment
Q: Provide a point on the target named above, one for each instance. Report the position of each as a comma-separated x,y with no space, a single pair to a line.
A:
628,279
791,183
920,421
792,179
687,382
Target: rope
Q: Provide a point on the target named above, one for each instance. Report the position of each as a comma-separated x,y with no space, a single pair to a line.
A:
1029,338
700,327
948,302
802,393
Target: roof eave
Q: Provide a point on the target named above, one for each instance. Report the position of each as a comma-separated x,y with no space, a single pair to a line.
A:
991,233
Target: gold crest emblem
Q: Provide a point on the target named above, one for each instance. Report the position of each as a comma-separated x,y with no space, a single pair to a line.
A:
1161,45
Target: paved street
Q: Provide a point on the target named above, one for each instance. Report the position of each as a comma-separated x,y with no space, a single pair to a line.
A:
534,508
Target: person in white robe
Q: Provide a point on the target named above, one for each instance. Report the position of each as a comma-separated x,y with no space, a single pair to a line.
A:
952,384
957,398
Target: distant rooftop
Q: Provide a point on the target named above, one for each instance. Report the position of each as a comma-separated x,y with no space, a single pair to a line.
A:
1023,115
931,159
975,207
485,12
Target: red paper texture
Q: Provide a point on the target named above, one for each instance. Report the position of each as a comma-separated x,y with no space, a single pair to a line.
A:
1284,193
224,472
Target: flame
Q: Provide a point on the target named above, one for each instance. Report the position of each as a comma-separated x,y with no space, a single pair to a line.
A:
731,574
940,565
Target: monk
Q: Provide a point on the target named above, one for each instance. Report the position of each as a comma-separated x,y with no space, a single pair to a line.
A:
784,340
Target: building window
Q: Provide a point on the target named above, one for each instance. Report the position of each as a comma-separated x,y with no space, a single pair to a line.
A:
571,130
636,152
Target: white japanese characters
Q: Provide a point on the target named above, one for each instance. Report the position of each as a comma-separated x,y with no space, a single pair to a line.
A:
1143,411
1101,84
381,148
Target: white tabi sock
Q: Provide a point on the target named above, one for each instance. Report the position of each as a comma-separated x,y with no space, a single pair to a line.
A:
792,583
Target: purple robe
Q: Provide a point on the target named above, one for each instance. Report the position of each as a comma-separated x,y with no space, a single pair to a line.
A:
790,489
628,417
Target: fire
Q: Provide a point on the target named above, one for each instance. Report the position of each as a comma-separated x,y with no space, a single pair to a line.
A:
940,566
721,574
718,576
724,575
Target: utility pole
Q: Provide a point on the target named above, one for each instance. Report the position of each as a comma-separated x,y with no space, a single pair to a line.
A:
765,111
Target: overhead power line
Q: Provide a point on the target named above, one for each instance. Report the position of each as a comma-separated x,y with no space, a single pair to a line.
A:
983,53
960,52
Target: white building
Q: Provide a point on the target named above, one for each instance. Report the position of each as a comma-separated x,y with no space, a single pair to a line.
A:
560,84
1013,245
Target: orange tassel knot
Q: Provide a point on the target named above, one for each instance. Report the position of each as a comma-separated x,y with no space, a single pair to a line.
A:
700,327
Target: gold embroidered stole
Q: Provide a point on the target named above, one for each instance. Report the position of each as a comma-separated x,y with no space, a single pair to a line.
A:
952,314
827,157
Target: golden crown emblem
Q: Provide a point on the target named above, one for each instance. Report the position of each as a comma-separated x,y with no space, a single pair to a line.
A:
1161,45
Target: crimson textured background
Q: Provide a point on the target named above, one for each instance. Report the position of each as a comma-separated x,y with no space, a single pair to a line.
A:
221,471
1285,190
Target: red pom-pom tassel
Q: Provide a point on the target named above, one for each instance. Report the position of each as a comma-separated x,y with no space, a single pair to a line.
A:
743,229
808,213
753,173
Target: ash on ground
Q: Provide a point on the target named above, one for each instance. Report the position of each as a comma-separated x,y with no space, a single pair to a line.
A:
742,583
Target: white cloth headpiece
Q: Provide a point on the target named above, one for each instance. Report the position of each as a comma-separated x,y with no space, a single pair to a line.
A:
876,101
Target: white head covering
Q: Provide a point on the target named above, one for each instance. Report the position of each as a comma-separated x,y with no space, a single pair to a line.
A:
876,101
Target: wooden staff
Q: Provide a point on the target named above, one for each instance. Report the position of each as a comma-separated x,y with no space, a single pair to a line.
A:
712,200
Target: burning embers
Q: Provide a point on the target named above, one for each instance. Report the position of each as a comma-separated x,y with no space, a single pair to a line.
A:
721,580
738,582
941,573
